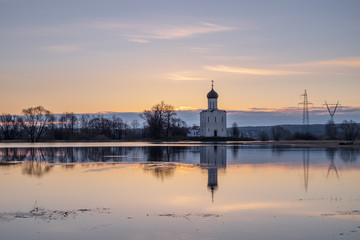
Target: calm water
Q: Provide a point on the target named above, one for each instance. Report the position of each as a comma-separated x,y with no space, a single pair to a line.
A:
178,191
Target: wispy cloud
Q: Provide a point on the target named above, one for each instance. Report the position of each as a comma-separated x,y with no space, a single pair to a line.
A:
198,49
342,62
252,71
106,25
60,48
140,32
138,40
146,32
171,32
184,77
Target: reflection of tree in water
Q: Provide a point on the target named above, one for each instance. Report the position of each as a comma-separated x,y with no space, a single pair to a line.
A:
349,154
65,155
68,166
278,151
160,170
165,154
35,168
105,154
13,154
235,151
330,153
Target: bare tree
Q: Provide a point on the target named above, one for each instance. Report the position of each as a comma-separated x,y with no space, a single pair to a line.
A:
67,123
350,130
263,136
235,130
119,127
278,132
100,127
84,125
9,126
170,113
158,119
135,124
34,121
178,127
331,130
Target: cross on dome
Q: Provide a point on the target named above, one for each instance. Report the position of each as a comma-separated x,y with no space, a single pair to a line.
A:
212,93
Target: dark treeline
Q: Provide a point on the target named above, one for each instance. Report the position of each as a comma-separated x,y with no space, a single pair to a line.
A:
39,124
347,130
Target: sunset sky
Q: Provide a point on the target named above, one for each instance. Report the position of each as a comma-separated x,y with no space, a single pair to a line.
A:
125,56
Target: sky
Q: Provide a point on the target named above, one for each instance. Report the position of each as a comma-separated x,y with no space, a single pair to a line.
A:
91,56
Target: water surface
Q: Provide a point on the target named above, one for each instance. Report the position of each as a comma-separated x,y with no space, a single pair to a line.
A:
178,191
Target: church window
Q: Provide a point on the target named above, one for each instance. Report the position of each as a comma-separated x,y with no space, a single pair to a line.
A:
222,119
215,119
208,119
208,129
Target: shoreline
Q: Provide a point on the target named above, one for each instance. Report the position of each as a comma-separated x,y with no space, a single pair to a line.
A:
290,143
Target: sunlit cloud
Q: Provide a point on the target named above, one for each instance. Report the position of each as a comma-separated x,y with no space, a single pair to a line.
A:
138,40
60,48
184,77
251,71
185,108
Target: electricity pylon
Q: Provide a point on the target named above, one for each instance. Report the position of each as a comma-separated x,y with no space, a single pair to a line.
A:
305,104
332,112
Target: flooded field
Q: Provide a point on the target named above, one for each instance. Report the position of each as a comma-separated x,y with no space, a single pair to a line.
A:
178,191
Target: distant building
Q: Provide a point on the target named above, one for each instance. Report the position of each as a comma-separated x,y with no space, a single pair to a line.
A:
213,120
194,131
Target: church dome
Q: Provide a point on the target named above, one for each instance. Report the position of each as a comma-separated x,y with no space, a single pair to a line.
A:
212,94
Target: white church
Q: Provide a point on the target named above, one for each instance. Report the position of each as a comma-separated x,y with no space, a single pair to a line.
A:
213,120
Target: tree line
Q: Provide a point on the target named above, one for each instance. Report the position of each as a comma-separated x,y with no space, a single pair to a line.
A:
161,121
39,124
348,130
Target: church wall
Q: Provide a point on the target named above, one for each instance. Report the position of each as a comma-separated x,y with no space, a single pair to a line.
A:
212,104
211,121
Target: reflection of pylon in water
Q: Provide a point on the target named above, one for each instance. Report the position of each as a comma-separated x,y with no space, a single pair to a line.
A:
306,163
330,152
332,166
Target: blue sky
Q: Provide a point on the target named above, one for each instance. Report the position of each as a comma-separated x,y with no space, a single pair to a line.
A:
125,56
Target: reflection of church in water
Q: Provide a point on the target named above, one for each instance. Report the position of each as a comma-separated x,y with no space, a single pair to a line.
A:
213,158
